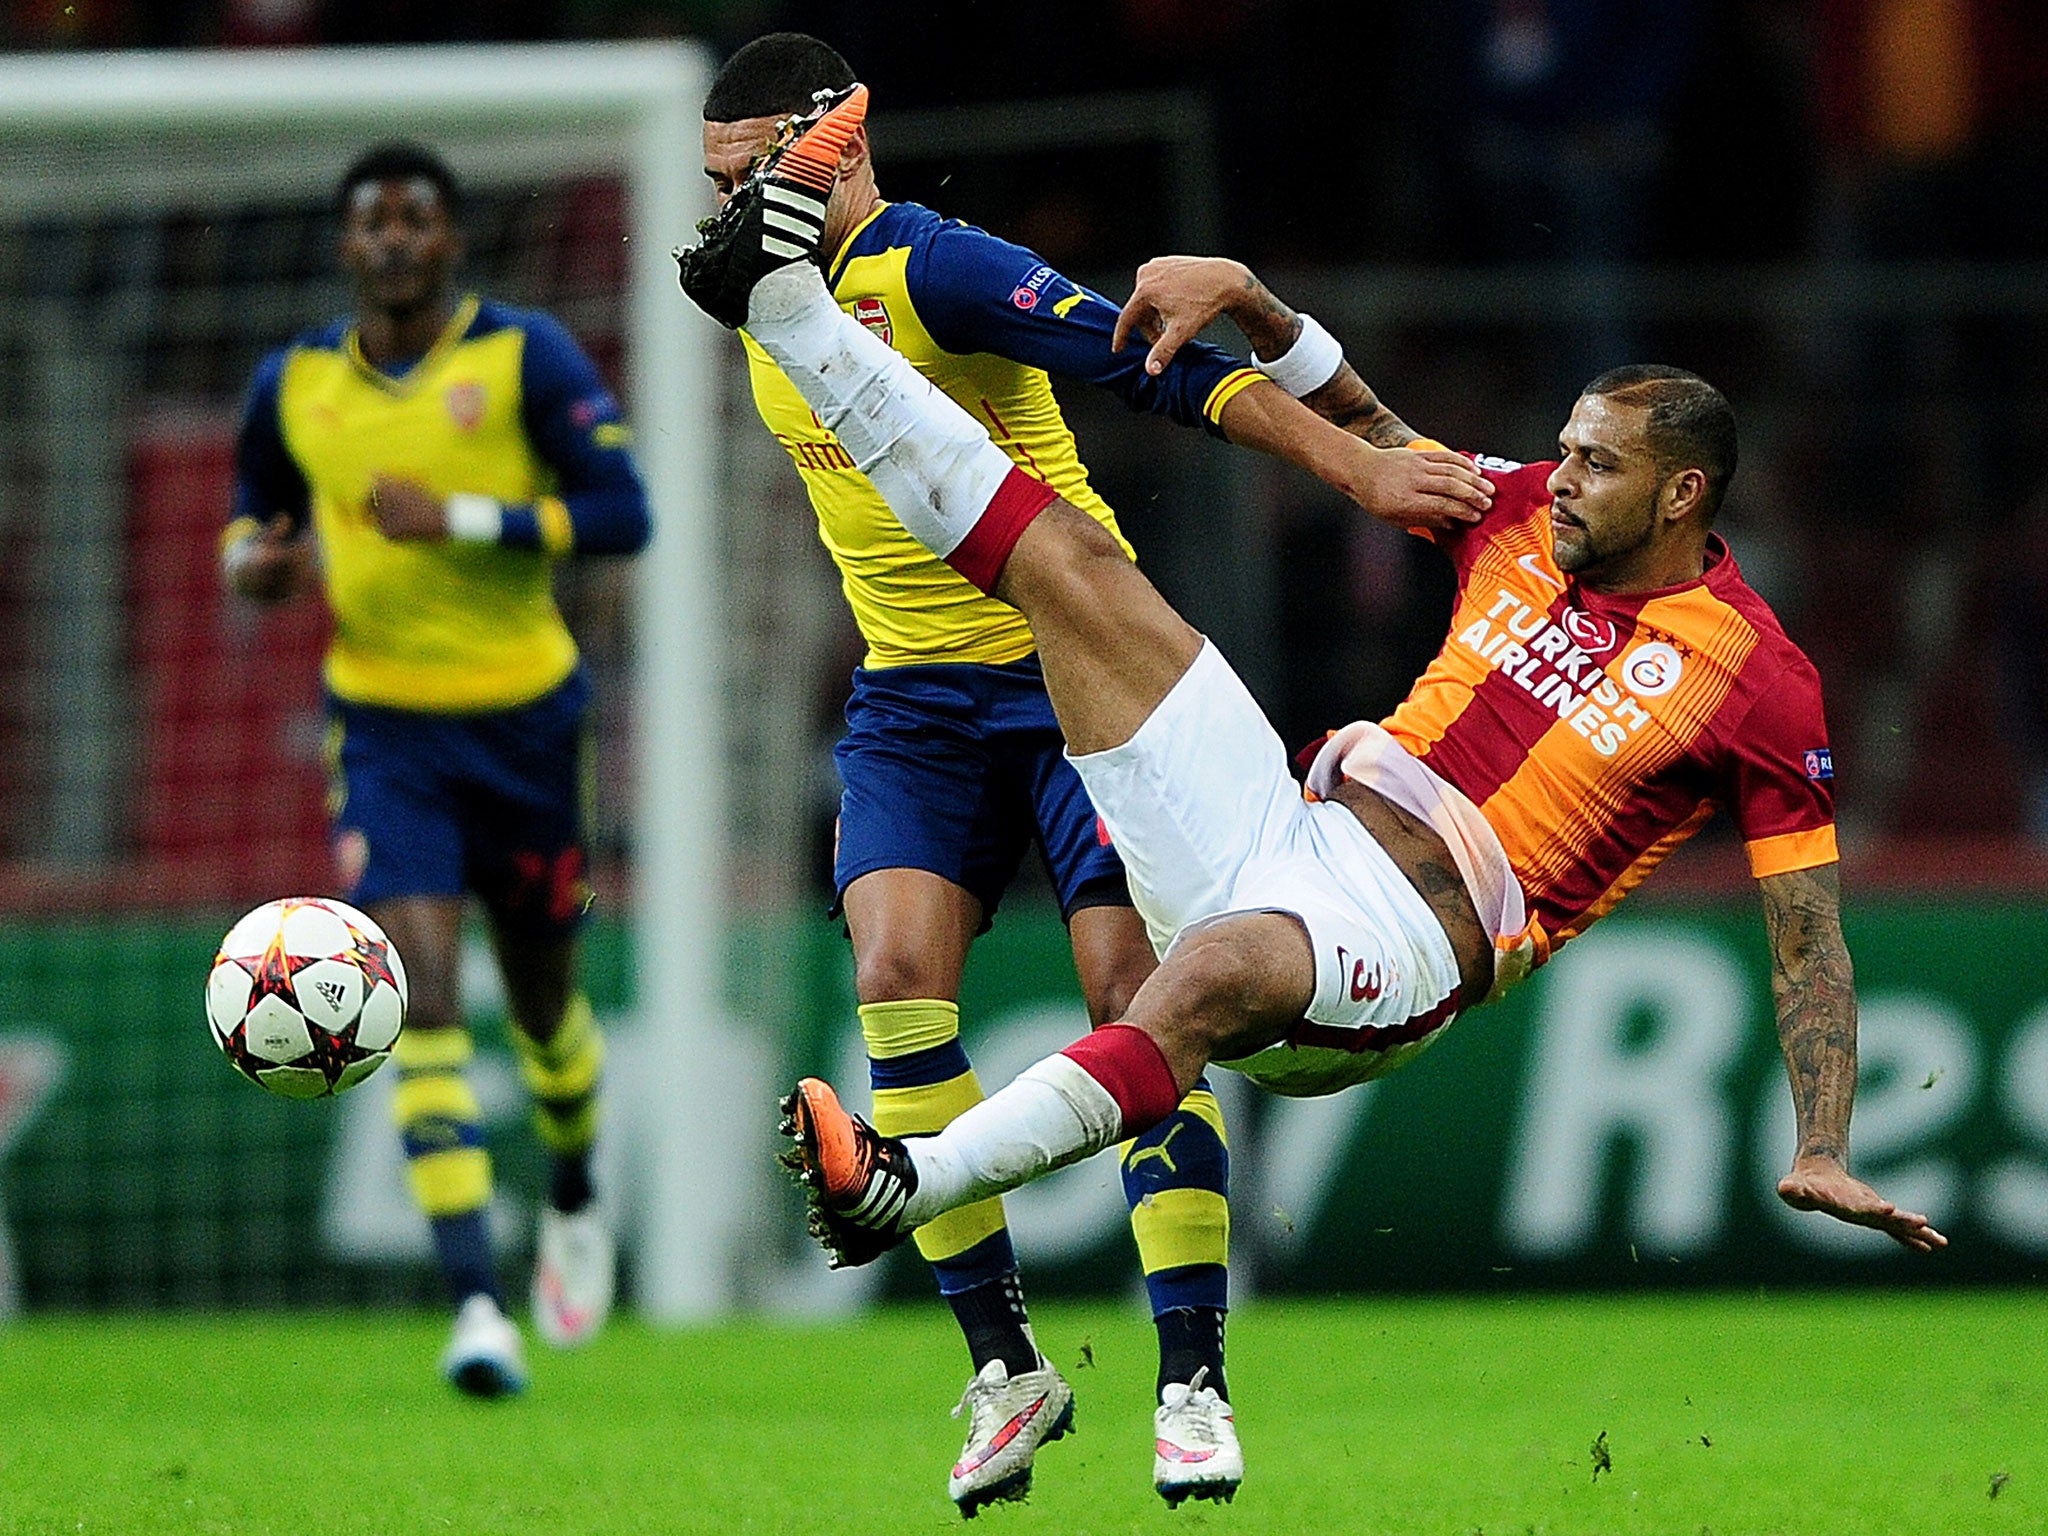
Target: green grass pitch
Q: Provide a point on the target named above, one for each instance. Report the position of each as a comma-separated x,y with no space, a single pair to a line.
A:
1735,1415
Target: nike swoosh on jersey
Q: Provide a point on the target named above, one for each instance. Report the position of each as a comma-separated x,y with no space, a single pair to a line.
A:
1527,563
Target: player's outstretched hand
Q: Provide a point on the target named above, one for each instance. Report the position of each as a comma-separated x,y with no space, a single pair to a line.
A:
271,564
1176,296
1822,1184
1410,488
407,510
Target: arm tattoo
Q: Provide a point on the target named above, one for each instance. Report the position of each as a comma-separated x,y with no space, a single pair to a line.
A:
1350,403
1815,990
1271,327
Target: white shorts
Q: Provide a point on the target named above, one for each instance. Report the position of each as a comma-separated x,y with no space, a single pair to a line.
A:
1209,823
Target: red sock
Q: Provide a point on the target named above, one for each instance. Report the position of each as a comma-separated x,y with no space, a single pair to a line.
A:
981,556
1128,1064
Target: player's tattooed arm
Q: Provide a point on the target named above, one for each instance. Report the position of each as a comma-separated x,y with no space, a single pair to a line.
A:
1814,987
1349,401
1176,296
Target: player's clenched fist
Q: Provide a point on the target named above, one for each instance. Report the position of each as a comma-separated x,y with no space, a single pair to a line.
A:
271,564
405,509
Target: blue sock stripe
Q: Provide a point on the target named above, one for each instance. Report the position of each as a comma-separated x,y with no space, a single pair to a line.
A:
920,1069
990,1259
1189,1285
436,1134
463,1244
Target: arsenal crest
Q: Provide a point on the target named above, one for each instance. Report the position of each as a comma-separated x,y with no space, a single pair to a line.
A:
874,314
466,404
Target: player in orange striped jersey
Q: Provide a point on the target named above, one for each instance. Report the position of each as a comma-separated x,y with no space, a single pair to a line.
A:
1596,728
1609,681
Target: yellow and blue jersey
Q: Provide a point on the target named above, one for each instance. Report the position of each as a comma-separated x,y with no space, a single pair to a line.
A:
987,322
505,405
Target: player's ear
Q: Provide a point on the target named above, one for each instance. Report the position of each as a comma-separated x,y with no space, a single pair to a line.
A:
855,154
1683,493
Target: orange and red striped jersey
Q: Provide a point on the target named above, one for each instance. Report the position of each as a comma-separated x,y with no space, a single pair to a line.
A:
1596,731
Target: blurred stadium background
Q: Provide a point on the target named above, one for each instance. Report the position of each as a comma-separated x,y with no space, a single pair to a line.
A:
1832,208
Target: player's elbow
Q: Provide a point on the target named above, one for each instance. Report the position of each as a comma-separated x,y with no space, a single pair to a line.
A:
636,525
617,523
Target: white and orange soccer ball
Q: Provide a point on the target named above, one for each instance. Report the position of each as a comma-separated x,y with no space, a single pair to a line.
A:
307,996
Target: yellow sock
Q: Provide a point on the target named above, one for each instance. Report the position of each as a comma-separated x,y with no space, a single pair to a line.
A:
922,1079
440,1122
562,1074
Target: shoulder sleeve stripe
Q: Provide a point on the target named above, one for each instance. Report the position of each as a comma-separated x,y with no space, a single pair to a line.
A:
1227,389
1788,851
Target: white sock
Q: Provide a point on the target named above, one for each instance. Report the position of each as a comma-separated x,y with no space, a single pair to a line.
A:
931,461
1053,1114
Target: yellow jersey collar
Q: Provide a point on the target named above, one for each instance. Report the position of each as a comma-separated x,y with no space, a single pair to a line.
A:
405,383
837,268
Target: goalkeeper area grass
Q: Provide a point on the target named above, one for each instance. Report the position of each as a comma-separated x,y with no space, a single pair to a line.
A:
1858,1413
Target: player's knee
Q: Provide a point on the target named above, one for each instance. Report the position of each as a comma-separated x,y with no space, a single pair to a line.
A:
1109,996
895,973
432,1007
1069,562
1224,986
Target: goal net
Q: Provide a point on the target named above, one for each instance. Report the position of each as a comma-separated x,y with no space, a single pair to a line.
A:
165,222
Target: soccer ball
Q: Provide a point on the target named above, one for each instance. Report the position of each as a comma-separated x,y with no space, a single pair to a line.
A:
306,997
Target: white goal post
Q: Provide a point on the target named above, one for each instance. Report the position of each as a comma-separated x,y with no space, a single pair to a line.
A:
196,132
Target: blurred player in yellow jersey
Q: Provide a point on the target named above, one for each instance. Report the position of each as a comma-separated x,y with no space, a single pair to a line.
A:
430,460
951,765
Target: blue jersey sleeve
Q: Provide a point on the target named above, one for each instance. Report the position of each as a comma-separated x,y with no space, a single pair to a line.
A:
575,426
267,478
977,293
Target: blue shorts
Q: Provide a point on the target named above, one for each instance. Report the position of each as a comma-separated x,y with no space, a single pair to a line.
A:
439,805
956,768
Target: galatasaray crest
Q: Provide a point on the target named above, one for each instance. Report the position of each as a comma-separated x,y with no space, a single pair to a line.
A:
874,314
466,404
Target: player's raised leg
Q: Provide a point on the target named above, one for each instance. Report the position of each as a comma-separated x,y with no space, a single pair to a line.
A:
1111,645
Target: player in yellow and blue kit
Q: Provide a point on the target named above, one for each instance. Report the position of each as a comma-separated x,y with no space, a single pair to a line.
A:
443,453
952,765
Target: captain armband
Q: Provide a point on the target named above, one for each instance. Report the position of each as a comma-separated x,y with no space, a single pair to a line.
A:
474,519
1309,364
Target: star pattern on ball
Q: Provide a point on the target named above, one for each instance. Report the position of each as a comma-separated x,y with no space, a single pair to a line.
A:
274,970
374,956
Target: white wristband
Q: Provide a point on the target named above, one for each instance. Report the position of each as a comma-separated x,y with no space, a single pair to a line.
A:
474,519
236,557
1309,364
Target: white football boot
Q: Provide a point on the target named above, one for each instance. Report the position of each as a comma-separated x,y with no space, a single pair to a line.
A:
1195,1454
573,1270
484,1358
1008,1419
